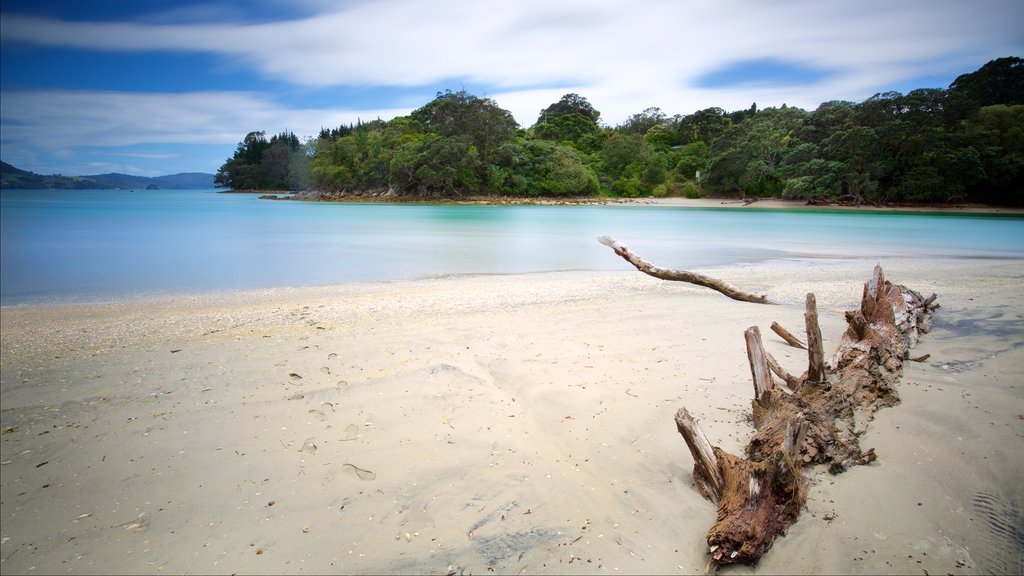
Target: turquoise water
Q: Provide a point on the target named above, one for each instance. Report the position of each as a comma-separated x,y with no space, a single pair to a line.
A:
90,245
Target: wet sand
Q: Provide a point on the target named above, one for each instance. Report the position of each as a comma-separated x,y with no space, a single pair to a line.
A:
514,424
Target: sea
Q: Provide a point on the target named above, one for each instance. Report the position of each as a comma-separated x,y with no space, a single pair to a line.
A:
63,246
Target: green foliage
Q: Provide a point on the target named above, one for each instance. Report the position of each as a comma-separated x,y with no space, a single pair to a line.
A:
261,164
692,159
689,190
702,126
573,121
929,145
476,125
660,137
547,169
642,122
747,157
1000,81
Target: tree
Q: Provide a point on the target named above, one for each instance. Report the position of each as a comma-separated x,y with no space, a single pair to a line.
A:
702,126
997,133
548,169
644,121
241,171
478,123
571,120
261,164
999,81
693,158
567,105
747,157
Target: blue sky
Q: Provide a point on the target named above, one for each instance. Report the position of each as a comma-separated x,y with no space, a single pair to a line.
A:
160,87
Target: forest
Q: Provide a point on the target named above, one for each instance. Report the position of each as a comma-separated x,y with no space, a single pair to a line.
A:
962,144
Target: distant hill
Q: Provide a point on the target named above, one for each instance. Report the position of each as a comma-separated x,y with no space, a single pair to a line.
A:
12,177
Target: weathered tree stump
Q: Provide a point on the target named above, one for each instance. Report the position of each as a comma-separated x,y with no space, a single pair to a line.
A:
818,421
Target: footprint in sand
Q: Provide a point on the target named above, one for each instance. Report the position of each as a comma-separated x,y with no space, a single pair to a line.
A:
295,379
332,356
325,370
316,414
351,432
357,472
308,447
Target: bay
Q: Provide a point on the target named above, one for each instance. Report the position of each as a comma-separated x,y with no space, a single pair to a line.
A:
69,246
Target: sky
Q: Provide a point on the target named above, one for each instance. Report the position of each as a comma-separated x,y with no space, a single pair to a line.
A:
159,87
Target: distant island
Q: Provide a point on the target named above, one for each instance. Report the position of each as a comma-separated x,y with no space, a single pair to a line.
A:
16,178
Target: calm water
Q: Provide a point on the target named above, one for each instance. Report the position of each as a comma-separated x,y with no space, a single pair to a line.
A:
87,245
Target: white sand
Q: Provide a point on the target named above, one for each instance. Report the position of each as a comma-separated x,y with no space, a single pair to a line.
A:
515,424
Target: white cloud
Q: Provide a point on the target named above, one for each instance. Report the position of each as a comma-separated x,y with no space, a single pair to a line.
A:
603,45
60,118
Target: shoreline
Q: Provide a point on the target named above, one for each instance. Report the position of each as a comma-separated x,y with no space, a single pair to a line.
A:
257,294
514,423
676,202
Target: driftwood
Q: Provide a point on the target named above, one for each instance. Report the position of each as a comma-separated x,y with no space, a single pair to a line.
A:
819,422
681,275
785,335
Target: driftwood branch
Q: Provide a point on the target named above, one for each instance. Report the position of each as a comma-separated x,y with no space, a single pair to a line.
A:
761,493
792,382
785,335
758,359
681,275
705,464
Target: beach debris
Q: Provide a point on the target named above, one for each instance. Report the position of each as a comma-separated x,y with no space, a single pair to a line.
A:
785,335
681,275
818,420
8,430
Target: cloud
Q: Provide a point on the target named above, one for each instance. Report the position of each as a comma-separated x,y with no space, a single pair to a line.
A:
61,118
520,43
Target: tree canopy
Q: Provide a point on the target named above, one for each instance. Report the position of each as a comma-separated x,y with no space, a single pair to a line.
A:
960,144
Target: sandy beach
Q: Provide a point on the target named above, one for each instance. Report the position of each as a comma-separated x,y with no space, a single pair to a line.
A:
507,424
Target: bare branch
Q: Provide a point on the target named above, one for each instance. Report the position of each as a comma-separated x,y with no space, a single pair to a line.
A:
681,275
785,335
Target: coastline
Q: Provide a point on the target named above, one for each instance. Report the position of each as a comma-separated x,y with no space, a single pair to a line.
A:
514,423
675,202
